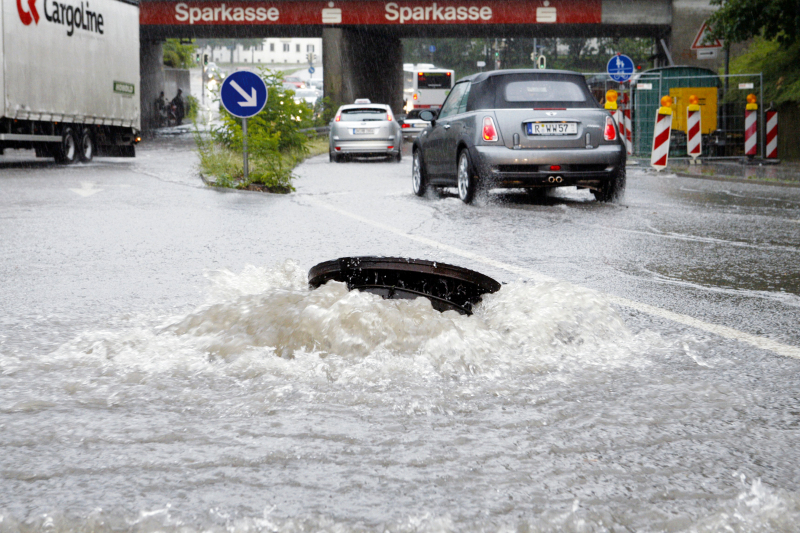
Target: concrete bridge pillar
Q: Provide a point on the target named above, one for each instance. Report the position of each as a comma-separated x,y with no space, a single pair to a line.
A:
362,64
151,60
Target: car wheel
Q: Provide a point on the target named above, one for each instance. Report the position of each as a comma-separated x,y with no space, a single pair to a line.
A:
613,189
419,176
67,152
336,158
86,152
467,182
398,157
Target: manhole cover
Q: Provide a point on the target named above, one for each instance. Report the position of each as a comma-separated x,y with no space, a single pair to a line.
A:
448,287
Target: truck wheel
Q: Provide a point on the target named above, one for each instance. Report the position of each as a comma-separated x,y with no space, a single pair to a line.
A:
86,151
67,151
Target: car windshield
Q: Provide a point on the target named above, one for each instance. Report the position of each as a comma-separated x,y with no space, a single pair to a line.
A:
363,114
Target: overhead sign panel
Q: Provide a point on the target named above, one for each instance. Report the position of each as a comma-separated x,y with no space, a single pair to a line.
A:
371,12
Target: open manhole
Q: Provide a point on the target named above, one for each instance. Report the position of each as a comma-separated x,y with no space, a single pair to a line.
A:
448,287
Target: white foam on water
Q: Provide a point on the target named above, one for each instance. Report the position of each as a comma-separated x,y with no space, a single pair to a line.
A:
262,314
756,509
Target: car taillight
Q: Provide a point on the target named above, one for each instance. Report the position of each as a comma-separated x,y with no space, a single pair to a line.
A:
389,117
415,96
406,125
489,131
338,117
610,133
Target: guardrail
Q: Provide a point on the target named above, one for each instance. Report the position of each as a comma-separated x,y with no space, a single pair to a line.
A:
316,132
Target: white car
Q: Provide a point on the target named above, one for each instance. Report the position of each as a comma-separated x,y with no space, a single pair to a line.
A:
309,96
412,124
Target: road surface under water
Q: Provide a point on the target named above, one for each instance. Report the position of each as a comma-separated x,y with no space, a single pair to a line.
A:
257,404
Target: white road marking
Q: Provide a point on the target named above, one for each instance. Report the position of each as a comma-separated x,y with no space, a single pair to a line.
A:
785,350
87,189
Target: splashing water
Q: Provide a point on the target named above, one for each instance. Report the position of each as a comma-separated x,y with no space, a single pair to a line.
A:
274,407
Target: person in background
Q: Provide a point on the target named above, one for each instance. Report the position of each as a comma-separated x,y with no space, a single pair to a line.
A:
179,109
161,109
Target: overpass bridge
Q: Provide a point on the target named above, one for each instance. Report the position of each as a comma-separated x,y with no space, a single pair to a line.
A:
362,50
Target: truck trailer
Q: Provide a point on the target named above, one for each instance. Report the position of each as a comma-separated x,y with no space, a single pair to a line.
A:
70,78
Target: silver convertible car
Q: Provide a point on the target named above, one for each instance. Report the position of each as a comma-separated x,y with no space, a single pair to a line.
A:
365,129
531,129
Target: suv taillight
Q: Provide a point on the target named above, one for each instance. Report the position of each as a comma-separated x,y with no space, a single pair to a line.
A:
338,117
489,130
389,117
610,133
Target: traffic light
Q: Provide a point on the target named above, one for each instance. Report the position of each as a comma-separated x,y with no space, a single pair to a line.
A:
205,59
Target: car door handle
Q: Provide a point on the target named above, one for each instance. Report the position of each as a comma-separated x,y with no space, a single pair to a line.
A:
446,126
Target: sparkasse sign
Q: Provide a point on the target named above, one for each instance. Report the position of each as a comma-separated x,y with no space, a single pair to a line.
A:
372,12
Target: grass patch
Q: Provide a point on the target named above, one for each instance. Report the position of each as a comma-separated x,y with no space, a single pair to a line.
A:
272,172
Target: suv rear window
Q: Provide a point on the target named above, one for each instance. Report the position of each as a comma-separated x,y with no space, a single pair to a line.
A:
363,114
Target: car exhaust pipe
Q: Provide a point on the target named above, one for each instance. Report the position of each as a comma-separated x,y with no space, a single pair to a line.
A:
551,179
559,179
555,179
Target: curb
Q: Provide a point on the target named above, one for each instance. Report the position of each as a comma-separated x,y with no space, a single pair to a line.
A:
738,180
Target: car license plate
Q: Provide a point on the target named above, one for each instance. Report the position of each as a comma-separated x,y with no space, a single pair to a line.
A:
363,131
552,128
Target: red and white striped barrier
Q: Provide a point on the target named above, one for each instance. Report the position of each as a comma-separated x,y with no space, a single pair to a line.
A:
750,126
628,134
772,134
693,134
660,154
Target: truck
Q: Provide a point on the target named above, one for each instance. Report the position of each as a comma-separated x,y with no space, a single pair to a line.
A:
69,78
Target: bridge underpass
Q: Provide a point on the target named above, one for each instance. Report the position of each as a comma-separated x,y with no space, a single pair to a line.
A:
362,47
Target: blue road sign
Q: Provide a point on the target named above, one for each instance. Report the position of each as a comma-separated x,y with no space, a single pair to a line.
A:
311,70
620,68
432,48
243,94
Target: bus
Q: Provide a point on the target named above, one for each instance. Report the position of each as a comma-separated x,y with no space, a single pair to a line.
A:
425,86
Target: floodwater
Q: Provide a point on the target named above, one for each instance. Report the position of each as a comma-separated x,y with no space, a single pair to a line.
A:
267,406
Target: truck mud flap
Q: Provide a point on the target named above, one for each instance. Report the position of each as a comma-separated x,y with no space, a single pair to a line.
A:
448,287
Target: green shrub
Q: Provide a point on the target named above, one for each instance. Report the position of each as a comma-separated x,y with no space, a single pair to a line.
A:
275,142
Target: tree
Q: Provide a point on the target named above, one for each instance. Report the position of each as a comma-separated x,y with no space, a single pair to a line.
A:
740,20
178,54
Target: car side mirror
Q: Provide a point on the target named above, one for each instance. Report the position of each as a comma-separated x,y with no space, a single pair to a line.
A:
428,116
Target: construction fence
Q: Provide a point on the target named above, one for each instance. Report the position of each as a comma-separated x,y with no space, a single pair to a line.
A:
722,102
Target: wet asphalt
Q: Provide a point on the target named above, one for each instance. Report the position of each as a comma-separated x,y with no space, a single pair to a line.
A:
120,236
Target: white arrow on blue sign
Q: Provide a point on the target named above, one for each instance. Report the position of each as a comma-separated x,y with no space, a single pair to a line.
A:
311,70
620,68
243,94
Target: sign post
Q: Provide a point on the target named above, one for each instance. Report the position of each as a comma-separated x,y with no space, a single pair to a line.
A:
244,95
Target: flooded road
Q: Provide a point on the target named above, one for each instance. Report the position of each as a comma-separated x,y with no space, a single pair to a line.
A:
164,366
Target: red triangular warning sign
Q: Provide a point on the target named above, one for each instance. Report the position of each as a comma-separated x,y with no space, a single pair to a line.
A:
705,40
